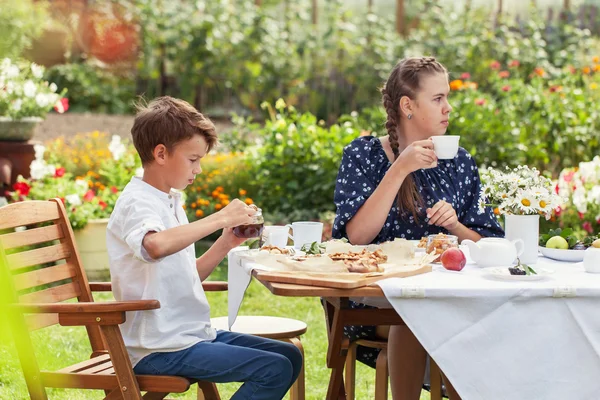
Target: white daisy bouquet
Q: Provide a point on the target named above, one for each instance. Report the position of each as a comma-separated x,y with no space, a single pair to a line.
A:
24,93
518,191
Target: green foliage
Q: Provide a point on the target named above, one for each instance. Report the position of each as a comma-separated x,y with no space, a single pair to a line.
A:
20,23
296,164
566,233
93,88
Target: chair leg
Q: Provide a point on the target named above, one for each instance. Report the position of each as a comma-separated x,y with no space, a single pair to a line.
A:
207,391
381,375
298,390
128,386
350,379
435,377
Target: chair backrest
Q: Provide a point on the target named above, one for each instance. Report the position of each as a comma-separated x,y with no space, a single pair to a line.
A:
41,261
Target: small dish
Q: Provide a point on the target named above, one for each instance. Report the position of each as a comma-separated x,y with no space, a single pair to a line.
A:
502,273
563,255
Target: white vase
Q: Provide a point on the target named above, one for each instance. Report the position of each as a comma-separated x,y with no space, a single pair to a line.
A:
526,228
91,244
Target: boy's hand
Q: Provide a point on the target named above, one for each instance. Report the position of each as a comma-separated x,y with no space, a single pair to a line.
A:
236,213
230,240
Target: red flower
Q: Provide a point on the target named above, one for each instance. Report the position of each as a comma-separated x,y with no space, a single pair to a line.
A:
63,201
495,65
556,188
102,204
59,172
503,74
568,176
114,189
61,105
89,195
465,76
480,102
581,215
587,227
558,210
514,63
22,188
505,88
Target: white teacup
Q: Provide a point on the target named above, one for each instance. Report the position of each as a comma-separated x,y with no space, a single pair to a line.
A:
276,235
591,260
306,232
445,146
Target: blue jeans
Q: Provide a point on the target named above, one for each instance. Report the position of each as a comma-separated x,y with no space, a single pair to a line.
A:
267,367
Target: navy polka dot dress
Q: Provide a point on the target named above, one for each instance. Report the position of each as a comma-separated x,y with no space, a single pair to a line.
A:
456,181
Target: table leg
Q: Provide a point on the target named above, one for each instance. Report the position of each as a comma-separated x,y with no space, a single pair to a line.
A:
336,350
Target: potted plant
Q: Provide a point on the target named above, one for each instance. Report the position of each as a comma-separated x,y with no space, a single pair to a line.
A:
89,199
25,99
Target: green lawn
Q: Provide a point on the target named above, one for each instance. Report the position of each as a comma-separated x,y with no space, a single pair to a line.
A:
58,347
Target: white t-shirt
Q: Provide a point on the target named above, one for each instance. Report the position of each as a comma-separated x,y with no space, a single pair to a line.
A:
183,318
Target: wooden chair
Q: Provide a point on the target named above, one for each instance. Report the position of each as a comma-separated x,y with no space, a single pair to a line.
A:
38,282
382,372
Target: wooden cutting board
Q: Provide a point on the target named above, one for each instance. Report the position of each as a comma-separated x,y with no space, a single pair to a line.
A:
339,280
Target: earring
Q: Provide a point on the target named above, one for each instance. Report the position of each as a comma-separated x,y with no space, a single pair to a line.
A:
409,116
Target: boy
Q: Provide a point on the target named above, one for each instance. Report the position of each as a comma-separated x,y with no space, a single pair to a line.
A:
151,250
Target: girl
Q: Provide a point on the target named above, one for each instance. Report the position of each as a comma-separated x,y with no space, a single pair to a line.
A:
395,187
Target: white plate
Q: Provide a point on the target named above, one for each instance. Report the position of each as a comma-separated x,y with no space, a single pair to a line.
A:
502,273
563,255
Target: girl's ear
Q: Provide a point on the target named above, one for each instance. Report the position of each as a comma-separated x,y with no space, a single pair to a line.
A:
406,106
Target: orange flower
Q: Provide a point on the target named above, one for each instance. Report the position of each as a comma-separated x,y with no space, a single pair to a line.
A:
471,85
215,194
596,67
90,184
225,202
248,201
496,211
219,188
456,84
184,207
586,70
199,213
539,71
596,59
193,205
218,207
504,74
242,192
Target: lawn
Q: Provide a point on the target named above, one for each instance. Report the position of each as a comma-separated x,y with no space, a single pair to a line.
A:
58,347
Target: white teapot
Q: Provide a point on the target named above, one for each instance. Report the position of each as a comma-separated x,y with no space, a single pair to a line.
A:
490,252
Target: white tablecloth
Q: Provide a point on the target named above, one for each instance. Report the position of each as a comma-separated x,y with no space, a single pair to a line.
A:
507,340
493,339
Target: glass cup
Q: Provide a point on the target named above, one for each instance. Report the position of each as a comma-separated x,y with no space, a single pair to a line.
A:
440,242
252,230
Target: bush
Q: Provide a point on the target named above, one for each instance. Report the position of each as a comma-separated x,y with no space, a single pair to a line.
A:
224,177
92,88
296,164
20,23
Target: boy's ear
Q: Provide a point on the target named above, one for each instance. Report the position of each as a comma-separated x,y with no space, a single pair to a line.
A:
160,154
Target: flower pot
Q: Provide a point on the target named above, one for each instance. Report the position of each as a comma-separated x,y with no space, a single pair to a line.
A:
91,243
526,228
18,130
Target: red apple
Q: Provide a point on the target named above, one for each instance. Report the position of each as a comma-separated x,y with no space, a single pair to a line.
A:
453,259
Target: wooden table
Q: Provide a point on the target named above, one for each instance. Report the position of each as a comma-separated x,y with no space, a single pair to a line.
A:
338,314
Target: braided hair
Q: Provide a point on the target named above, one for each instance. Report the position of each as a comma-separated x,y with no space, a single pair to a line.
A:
405,80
